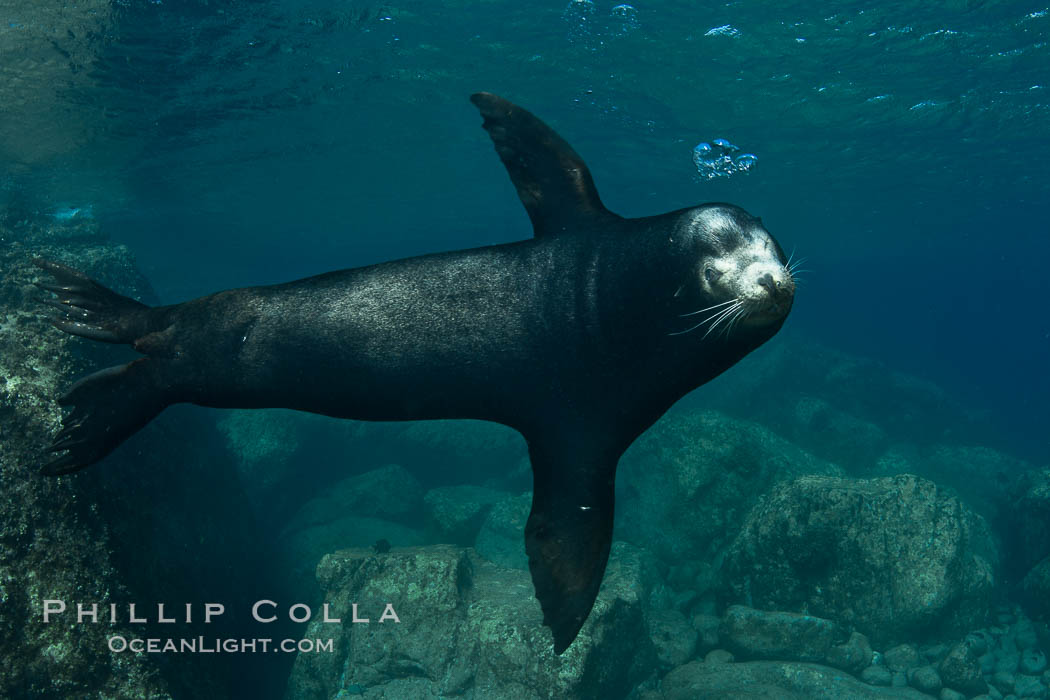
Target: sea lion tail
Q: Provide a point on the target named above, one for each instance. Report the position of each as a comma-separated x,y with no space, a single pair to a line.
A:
91,310
110,405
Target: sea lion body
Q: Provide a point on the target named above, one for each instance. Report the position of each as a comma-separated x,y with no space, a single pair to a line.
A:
579,338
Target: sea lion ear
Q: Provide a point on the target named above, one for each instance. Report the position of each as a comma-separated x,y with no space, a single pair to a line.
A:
552,180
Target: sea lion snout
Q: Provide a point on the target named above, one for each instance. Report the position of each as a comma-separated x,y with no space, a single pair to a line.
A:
771,291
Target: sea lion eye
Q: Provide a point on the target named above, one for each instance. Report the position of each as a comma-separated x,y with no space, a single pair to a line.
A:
711,275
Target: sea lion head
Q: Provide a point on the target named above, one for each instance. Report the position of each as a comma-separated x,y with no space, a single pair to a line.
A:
743,278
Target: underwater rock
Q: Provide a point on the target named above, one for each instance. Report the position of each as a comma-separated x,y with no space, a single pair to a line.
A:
344,516
925,678
469,451
846,439
1036,590
301,549
1028,520
1033,662
906,409
719,656
757,634
1029,687
456,513
982,477
896,558
684,487
390,493
773,680
151,523
707,627
502,539
263,443
961,671
902,657
673,637
470,627
852,656
877,675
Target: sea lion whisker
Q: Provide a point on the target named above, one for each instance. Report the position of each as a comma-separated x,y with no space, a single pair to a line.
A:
710,318
722,317
741,314
694,313
730,317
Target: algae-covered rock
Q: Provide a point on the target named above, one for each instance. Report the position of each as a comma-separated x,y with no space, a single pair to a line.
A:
961,671
895,557
502,537
302,548
684,487
468,626
853,655
758,634
1028,520
673,637
773,680
1036,588
456,513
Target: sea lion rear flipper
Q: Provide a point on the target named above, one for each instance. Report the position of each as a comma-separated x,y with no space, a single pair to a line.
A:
552,180
568,536
89,309
108,407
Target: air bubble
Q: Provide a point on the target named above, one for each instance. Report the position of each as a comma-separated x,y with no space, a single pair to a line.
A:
624,19
579,15
720,158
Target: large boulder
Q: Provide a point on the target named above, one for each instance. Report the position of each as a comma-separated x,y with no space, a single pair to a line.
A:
895,557
686,485
470,626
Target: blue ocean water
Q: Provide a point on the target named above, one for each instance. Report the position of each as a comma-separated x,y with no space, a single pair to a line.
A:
901,148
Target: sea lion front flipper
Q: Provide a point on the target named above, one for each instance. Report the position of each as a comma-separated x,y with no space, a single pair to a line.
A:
552,180
568,536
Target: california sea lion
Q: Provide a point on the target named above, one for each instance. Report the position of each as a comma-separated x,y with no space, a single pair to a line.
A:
579,338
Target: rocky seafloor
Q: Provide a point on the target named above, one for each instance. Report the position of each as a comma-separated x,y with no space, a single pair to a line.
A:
811,525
